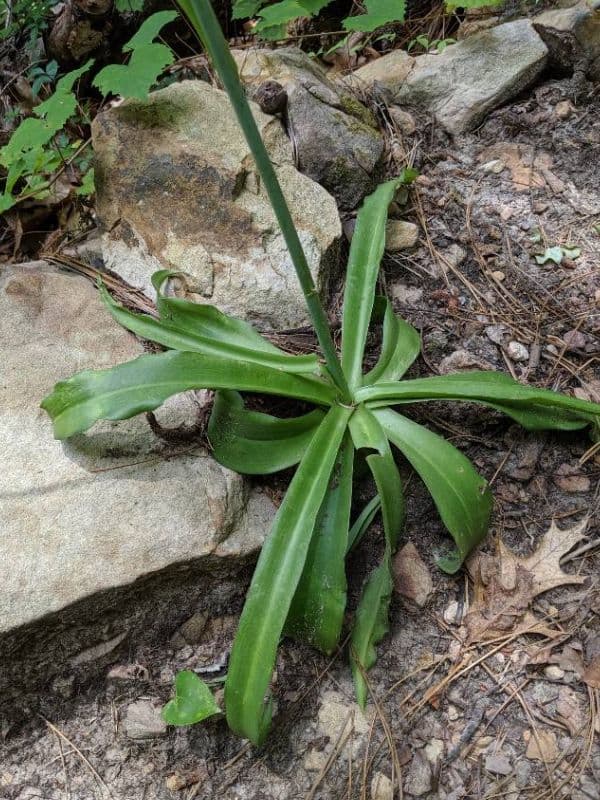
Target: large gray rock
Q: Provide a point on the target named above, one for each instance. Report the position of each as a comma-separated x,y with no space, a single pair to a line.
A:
177,189
334,136
388,72
101,511
573,36
473,77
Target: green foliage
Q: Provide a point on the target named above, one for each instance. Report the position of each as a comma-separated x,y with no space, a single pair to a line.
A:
29,154
379,13
42,76
124,6
148,60
193,701
451,5
430,44
32,154
25,18
273,18
299,585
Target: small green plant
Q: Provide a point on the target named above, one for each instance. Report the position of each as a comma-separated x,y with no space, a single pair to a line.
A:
25,18
430,44
42,76
299,584
33,153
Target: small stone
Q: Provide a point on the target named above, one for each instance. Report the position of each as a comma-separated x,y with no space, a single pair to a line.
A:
381,787
498,764
506,213
412,578
419,778
564,109
554,673
143,720
575,340
522,774
271,97
517,351
400,235
453,713
408,295
569,478
403,120
495,166
452,613
434,750
498,275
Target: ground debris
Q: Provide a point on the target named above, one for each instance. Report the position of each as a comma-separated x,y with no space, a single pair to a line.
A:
505,584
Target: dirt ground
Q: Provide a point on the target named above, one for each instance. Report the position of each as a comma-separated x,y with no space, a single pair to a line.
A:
507,716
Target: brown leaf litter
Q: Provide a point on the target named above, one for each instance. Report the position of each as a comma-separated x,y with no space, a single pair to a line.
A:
505,584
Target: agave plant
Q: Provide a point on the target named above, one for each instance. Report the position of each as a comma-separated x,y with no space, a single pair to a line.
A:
299,584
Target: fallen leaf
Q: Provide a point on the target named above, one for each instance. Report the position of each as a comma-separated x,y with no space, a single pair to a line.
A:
505,584
541,746
412,578
591,674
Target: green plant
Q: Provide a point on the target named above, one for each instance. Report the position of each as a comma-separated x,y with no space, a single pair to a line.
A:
430,44
32,155
25,18
42,76
299,584
275,17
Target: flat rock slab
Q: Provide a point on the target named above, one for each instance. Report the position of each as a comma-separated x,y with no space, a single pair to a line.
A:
105,509
177,189
462,85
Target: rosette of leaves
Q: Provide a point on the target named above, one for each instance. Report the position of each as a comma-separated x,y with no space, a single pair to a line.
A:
299,584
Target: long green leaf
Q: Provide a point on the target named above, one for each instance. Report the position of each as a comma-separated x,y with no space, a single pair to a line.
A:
363,522
145,383
317,611
195,328
275,580
204,22
533,408
366,250
461,495
208,321
400,346
371,623
254,443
